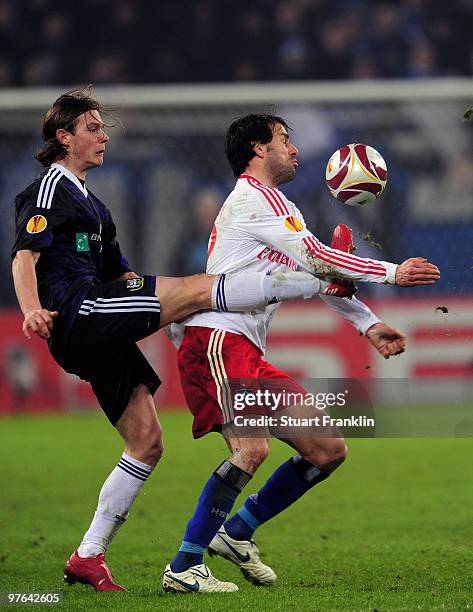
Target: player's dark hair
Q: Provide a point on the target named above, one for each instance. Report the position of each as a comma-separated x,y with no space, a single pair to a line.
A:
244,133
63,114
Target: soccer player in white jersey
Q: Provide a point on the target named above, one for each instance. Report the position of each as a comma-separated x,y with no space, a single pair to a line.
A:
259,229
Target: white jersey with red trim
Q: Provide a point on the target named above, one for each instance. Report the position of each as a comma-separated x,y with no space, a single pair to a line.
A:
259,230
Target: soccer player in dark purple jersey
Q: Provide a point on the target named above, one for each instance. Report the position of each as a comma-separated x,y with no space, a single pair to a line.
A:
77,291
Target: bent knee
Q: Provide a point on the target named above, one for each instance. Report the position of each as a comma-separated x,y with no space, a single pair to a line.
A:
250,457
147,446
328,459
258,455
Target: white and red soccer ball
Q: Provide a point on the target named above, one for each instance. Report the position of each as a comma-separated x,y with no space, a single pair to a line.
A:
356,174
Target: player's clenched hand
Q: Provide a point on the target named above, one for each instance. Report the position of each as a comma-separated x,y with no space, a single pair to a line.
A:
39,321
386,340
416,271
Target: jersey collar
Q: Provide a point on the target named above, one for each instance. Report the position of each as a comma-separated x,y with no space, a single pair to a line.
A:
72,177
255,180
249,176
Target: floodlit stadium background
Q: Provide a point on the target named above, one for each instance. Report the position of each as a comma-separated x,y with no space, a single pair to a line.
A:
395,77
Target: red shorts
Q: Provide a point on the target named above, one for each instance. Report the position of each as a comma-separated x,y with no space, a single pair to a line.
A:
214,365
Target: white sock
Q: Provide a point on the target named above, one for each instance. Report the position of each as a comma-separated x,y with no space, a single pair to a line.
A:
281,286
240,292
116,497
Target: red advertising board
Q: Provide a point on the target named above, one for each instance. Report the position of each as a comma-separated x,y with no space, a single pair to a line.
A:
307,339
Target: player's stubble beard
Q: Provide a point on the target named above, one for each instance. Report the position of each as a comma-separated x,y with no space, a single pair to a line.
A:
280,174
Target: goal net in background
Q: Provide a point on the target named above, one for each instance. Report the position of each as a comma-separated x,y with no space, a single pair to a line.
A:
165,175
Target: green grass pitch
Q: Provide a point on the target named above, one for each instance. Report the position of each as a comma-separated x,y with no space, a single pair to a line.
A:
391,530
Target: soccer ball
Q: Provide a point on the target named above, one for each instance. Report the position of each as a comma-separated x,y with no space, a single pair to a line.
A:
356,174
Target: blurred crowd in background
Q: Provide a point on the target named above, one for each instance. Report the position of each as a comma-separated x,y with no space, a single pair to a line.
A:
44,42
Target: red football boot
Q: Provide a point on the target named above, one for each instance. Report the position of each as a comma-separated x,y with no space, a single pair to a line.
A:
342,240
90,570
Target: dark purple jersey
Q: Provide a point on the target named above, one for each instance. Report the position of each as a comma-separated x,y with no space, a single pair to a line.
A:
75,234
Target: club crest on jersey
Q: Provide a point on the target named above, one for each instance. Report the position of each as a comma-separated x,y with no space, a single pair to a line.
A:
36,224
293,224
134,284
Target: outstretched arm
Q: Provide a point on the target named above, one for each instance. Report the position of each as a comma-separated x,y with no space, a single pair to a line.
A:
289,235
326,262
